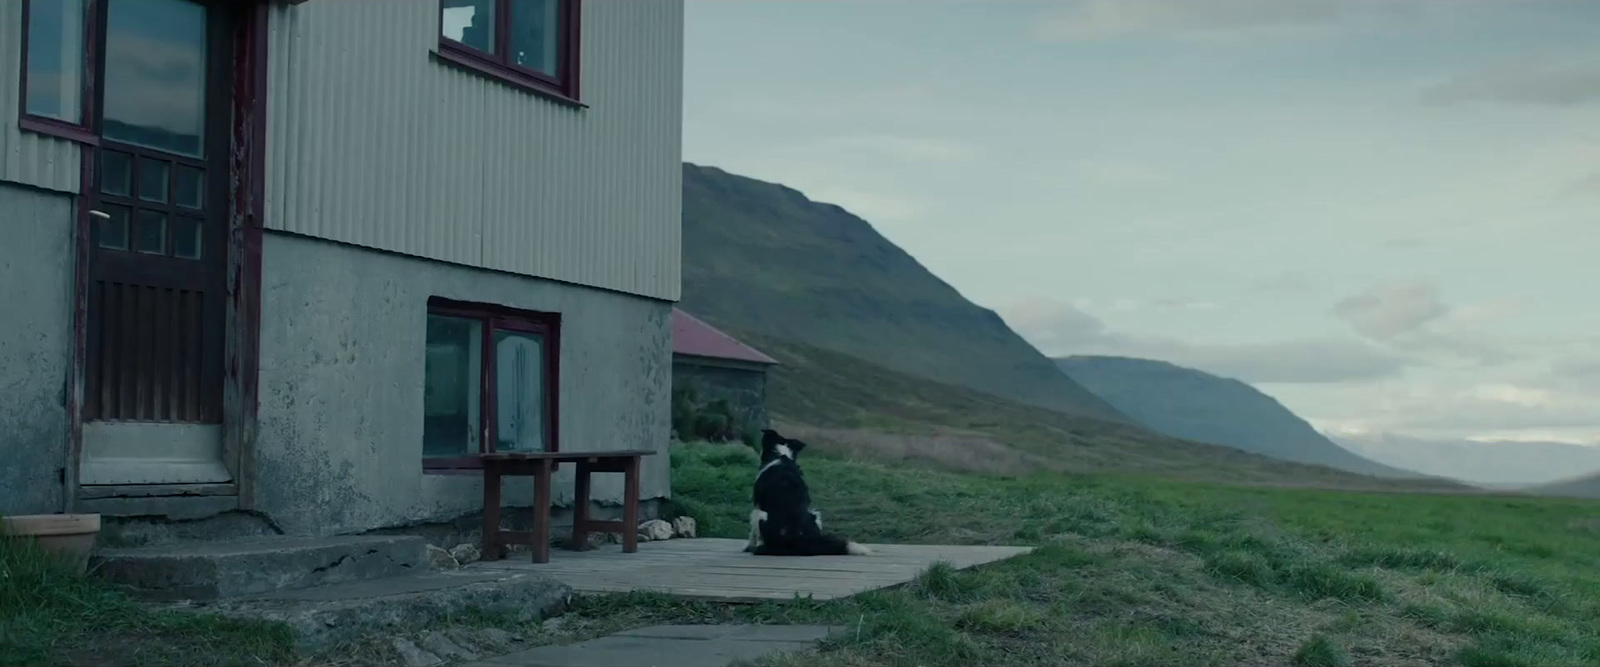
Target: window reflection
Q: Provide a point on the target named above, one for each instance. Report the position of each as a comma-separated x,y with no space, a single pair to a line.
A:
55,60
452,386
519,392
155,80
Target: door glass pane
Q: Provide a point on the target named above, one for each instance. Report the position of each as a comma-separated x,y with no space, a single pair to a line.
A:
155,76
114,230
470,22
150,233
116,173
56,59
536,35
188,187
519,392
186,238
452,387
152,180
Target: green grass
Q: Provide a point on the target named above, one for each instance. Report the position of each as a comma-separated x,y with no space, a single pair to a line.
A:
51,615
1135,570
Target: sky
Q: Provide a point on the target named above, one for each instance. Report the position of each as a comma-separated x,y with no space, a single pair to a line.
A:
1384,213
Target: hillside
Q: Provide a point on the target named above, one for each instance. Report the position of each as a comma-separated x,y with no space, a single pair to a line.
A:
853,406
762,258
1500,463
1195,405
1587,486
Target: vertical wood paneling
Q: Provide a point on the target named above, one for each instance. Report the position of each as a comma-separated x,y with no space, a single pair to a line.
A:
26,157
373,142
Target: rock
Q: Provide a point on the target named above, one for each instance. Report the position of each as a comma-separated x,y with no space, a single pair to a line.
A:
412,656
497,636
441,559
683,526
437,643
466,552
554,625
655,530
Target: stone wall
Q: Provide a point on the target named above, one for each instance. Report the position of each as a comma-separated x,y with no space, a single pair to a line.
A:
744,386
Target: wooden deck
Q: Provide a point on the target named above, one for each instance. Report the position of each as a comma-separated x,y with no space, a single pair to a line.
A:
718,569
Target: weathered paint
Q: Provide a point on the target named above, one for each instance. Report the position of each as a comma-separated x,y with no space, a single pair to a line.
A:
374,142
339,444
27,157
35,346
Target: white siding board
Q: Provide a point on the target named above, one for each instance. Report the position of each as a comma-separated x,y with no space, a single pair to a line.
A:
373,142
27,157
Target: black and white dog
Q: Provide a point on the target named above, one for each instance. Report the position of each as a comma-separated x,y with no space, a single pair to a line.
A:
783,523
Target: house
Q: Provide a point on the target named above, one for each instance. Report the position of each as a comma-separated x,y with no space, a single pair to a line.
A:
279,259
716,366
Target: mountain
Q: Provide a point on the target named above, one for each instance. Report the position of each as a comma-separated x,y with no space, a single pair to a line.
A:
762,258
858,408
1498,463
1195,405
1582,487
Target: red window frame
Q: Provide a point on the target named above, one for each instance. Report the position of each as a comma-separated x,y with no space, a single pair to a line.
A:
501,318
562,87
82,131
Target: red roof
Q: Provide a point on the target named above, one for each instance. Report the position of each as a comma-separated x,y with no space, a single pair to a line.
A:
692,337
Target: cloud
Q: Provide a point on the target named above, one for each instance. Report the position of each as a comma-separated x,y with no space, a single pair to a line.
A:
1205,19
1284,283
918,149
1526,83
1587,186
1410,317
1061,329
1387,311
1580,372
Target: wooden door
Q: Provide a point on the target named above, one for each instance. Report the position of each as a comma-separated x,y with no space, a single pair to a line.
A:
158,244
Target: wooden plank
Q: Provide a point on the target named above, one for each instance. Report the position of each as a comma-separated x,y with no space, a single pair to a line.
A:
718,570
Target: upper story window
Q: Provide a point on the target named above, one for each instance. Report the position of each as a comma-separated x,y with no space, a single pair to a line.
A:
55,65
530,43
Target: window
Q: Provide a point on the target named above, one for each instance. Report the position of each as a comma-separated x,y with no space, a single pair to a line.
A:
530,43
55,67
489,381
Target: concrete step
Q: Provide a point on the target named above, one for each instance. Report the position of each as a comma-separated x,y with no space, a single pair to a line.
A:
328,615
218,570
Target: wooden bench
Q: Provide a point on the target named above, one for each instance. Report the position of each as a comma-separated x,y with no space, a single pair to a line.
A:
541,466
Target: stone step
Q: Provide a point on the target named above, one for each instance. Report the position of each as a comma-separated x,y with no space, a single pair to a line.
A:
331,614
219,570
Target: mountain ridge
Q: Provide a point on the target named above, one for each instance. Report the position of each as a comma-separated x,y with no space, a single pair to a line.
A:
762,257
1195,405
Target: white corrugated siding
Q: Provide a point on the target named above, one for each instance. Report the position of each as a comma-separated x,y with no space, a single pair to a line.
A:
373,142
26,157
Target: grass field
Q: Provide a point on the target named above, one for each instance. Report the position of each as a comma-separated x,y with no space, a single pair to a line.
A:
51,615
1140,571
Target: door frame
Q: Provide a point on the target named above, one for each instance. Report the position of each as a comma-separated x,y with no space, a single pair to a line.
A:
242,331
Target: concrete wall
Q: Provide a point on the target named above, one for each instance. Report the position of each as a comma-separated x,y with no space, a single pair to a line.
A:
744,386
36,277
376,143
342,345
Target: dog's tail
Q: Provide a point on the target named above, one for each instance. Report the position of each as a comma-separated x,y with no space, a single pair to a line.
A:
818,545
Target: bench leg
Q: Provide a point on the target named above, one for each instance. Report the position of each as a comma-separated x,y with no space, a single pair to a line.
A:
541,512
491,514
630,506
580,508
